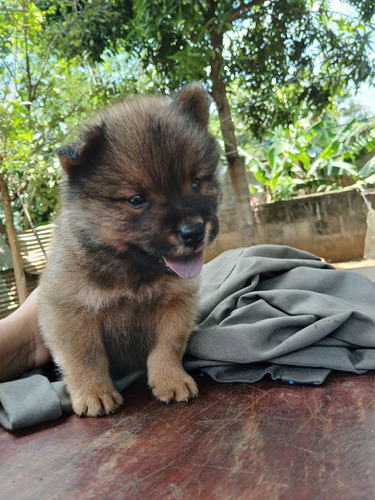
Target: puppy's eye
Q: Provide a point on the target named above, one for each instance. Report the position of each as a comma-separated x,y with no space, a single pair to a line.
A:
196,184
136,201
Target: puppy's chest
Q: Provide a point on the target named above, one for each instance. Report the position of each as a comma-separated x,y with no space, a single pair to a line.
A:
129,333
127,320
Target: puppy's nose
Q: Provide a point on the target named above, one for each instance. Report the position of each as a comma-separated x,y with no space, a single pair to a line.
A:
192,234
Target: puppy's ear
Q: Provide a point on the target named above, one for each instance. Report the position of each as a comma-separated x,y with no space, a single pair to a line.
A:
195,101
84,150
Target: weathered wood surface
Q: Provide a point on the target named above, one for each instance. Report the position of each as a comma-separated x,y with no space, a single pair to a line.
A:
236,441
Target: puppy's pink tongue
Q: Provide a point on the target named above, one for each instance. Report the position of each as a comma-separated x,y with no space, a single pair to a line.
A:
186,267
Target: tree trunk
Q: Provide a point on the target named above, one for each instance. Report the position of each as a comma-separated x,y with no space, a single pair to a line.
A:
236,169
19,273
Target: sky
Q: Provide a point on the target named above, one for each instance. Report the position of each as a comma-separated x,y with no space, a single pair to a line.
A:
366,97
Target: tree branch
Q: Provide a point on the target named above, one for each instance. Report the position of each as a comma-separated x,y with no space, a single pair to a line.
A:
27,60
62,32
242,11
19,273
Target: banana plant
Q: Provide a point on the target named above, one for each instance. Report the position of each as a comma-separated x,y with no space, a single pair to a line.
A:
305,158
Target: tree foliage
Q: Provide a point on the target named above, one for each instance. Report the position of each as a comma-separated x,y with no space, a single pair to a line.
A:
45,93
291,58
102,24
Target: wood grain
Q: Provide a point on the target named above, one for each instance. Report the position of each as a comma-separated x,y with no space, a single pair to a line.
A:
236,441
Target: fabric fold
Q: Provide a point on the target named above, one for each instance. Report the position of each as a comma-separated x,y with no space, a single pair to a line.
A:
28,401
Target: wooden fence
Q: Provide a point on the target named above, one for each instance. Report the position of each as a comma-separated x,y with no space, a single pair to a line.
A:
33,252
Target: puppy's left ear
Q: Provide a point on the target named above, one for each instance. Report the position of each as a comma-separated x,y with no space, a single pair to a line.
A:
194,101
73,157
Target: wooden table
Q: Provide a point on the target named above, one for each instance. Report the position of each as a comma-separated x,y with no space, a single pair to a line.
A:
263,441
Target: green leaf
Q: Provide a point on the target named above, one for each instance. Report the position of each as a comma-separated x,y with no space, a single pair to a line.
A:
368,169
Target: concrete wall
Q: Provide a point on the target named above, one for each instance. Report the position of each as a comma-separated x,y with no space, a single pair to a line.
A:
331,225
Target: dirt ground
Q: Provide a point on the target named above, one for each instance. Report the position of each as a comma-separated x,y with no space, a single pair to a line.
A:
354,264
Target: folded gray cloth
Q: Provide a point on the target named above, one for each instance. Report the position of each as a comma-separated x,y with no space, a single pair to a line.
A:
264,310
27,401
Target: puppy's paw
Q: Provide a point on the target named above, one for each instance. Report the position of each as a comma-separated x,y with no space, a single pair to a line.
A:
96,402
178,386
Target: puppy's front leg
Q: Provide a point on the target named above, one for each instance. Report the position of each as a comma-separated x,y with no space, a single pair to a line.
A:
166,376
75,340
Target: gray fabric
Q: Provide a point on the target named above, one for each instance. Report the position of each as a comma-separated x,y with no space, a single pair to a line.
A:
279,306
28,401
265,310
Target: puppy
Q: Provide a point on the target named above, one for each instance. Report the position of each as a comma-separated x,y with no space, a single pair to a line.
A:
138,206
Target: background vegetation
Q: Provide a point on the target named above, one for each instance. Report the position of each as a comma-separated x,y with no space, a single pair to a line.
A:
276,72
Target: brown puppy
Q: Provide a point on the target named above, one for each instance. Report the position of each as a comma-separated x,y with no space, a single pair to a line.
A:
138,206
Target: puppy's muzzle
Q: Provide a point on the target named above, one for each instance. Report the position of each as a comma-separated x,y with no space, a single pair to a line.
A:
192,235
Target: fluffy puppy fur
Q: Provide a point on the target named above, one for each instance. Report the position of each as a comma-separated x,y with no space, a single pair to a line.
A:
138,206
